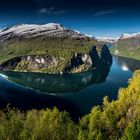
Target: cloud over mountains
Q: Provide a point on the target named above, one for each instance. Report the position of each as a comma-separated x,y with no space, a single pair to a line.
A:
51,11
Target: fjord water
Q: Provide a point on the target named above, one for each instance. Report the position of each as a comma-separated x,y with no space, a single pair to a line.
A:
75,93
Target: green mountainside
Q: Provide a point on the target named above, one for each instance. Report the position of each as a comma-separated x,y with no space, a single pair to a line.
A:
129,47
49,48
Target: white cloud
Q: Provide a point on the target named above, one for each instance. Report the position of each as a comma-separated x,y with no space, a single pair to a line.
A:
51,11
42,11
107,12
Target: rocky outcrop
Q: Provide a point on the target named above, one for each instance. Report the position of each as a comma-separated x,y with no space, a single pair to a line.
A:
89,61
78,60
94,56
39,62
31,62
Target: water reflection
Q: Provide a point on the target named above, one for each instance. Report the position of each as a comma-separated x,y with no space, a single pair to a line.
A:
90,87
127,63
125,68
25,99
59,83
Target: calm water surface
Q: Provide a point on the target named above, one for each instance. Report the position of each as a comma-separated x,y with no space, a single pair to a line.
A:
75,93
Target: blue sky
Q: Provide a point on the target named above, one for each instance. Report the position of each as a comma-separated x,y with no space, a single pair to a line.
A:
96,17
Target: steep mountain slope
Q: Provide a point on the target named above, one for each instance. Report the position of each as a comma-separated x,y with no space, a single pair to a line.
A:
128,46
44,48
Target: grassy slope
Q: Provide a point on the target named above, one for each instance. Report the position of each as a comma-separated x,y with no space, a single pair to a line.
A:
127,48
62,49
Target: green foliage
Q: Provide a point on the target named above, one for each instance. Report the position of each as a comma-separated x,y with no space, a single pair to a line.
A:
37,125
115,120
132,132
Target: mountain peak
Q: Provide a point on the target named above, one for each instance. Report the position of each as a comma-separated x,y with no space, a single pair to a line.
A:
28,27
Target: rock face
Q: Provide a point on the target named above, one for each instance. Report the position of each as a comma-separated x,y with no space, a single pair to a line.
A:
78,63
78,60
31,62
39,62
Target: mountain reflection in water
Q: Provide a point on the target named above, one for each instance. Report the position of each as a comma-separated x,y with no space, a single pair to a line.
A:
59,83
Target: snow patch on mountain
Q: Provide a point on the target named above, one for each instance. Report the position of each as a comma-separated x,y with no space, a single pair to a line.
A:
31,28
107,39
130,35
34,30
88,35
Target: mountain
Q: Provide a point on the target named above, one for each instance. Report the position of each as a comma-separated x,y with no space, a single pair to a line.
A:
107,39
130,35
49,48
32,31
127,46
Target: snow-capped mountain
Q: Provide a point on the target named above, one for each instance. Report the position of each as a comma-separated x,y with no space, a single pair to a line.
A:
107,39
87,35
33,30
130,35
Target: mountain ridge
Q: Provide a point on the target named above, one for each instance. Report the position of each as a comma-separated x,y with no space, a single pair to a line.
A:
35,30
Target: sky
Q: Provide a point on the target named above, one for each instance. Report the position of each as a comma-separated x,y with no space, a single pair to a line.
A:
96,17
